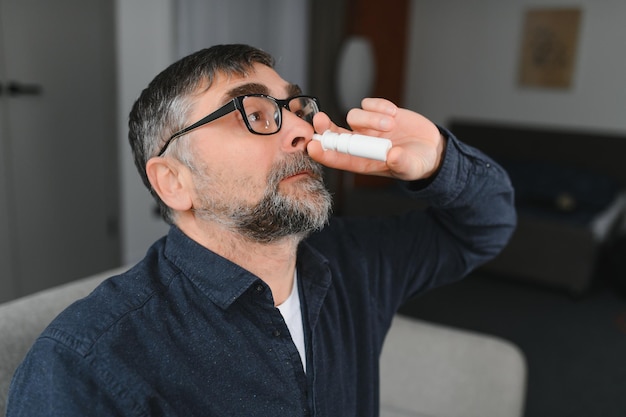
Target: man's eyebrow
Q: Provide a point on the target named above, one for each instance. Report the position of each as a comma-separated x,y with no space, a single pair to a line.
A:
256,88
245,89
294,90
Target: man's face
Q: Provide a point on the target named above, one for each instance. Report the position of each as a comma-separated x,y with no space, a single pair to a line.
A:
262,187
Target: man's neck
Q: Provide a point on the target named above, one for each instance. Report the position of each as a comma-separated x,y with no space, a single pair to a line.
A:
274,262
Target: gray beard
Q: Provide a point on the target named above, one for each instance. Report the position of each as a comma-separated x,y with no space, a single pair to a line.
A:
276,215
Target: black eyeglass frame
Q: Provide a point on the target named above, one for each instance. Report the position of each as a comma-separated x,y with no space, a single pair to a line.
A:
237,104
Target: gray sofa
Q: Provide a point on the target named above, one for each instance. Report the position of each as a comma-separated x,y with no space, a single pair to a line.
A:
426,369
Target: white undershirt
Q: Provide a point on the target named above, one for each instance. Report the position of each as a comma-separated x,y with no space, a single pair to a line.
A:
290,309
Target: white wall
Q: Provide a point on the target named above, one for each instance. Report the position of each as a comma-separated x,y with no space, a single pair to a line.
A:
278,26
463,62
145,44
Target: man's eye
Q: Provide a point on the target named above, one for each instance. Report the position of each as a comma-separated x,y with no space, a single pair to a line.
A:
255,117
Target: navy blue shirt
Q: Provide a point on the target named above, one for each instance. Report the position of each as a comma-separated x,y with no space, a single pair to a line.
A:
188,333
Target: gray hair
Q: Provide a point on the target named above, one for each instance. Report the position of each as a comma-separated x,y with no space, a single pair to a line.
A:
164,106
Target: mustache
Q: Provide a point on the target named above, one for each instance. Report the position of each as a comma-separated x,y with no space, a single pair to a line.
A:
292,165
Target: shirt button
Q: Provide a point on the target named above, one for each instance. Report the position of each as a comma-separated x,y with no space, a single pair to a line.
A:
276,332
259,288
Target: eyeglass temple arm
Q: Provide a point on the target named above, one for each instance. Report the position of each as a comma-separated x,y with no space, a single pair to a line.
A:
222,111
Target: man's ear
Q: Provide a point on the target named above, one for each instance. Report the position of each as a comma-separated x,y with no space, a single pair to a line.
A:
170,181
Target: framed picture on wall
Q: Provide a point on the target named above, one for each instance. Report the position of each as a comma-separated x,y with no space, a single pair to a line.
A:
549,45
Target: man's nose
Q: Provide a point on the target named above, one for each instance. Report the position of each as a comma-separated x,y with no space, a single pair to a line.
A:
298,132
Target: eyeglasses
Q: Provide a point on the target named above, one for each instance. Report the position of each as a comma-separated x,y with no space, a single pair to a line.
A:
261,113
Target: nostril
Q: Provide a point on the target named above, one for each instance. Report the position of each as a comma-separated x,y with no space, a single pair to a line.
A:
297,140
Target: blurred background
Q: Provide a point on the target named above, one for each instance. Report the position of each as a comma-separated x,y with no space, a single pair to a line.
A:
72,203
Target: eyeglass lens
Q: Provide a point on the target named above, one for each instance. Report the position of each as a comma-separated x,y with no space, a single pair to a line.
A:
263,114
304,107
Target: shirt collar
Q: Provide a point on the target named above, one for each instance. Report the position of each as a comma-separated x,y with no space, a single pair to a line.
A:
218,278
224,281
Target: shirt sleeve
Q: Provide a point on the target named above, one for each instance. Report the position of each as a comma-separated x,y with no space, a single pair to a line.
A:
55,380
469,218
472,198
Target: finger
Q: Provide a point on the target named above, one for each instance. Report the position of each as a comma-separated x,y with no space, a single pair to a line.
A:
322,123
402,165
315,151
379,105
370,120
411,161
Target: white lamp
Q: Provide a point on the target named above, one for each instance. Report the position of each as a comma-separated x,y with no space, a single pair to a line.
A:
356,71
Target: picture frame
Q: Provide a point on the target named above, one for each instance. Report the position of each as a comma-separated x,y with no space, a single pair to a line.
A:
549,47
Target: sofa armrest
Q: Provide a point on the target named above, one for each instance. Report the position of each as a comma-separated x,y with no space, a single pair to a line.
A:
436,371
23,319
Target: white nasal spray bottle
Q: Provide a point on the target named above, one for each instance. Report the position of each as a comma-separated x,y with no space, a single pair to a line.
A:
355,145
